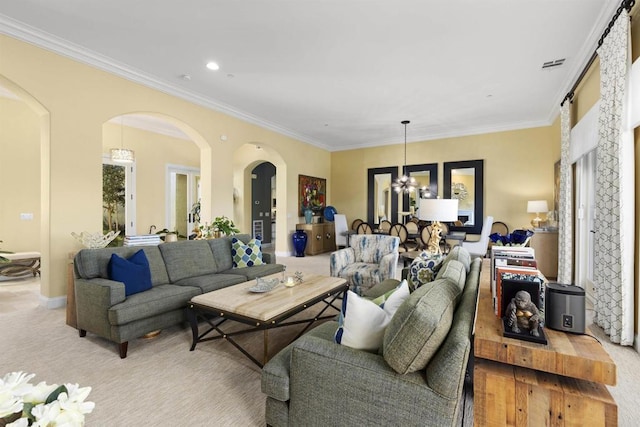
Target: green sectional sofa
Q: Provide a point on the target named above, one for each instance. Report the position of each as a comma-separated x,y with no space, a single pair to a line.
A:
415,379
179,271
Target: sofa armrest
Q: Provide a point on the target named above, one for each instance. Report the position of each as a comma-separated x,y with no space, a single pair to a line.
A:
94,297
337,385
268,259
340,259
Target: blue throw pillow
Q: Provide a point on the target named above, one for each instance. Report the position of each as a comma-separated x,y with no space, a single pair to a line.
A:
133,272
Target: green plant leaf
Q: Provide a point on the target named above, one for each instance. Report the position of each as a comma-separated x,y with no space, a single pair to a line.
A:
55,393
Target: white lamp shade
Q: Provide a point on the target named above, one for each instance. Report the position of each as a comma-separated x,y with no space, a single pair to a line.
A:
537,206
438,209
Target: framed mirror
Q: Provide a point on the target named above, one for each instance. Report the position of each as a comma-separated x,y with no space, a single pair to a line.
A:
465,181
382,201
427,177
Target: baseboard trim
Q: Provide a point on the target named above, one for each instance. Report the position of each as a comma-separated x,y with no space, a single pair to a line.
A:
53,303
285,253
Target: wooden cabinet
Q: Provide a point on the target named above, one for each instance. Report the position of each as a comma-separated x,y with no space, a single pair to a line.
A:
320,237
522,383
545,244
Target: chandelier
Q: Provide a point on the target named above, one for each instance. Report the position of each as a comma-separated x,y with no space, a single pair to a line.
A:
405,183
122,155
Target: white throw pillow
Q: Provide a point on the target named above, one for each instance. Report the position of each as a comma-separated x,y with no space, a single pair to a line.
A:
362,322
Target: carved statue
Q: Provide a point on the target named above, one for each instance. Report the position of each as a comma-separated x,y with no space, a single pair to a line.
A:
522,314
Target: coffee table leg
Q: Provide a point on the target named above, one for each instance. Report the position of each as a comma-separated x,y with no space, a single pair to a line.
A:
193,321
266,347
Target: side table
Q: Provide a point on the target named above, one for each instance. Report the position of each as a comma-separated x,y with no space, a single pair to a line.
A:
518,382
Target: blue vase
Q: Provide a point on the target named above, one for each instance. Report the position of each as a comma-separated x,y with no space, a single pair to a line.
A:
299,242
308,216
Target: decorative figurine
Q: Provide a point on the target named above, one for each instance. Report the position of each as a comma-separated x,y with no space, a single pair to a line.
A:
522,314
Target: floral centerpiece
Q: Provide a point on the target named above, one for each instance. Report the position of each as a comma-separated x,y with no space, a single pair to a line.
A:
24,404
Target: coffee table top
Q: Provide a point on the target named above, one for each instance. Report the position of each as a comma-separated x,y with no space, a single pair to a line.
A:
262,307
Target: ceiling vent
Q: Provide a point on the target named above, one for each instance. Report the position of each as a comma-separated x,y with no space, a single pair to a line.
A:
553,64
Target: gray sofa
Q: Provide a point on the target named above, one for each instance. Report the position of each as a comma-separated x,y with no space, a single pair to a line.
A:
179,271
416,379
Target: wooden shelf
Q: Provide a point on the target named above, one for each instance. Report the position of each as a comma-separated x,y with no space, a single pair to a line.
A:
577,356
524,383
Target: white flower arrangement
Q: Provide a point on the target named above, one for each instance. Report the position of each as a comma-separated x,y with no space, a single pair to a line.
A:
24,404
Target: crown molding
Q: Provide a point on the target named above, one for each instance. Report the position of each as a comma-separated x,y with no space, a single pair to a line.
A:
39,38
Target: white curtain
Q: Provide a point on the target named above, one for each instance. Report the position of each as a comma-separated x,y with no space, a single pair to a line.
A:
565,216
614,251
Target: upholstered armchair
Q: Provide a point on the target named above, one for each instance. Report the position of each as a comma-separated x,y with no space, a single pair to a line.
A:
369,259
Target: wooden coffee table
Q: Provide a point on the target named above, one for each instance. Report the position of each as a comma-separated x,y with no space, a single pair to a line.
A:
262,311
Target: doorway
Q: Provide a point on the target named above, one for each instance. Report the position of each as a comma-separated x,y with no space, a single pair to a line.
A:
118,198
263,206
585,183
182,192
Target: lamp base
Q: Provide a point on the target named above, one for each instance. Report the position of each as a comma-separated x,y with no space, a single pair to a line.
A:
535,222
433,246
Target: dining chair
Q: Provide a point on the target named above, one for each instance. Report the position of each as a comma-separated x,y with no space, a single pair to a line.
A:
479,248
424,237
356,222
400,231
341,230
364,228
385,226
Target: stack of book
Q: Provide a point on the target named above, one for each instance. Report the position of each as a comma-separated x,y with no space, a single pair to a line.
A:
142,240
517,266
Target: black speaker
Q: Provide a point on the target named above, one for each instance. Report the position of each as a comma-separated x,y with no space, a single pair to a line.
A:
564,307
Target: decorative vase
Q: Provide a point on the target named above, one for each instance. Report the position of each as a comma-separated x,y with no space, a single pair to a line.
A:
299,242
308,216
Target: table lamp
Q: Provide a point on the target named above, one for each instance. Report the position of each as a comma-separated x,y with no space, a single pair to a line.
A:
537,206
437,210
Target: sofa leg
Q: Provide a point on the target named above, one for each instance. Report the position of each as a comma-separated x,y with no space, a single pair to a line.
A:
82,333
123,349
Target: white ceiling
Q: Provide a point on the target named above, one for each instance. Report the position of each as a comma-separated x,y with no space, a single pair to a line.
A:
338,74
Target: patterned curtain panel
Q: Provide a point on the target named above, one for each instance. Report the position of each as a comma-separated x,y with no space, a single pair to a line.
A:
614,249
565,210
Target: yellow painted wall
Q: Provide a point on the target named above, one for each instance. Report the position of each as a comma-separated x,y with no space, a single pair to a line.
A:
19,176
74,100
518,166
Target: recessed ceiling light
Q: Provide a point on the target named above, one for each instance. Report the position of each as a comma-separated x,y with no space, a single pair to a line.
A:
213,66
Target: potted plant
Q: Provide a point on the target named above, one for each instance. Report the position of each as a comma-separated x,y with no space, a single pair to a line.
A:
3,259
222,224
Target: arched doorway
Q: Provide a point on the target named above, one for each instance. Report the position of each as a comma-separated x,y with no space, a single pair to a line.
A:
264,202
167,166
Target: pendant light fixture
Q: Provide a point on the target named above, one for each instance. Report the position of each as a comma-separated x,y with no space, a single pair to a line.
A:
122,155
405,183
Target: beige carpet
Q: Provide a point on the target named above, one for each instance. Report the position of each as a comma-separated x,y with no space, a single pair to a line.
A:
162,383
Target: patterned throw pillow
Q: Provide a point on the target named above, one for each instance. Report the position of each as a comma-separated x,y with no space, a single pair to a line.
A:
246,255
362,322
423,270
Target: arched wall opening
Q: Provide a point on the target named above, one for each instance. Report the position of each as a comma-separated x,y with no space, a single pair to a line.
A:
40,162
245,159
167,151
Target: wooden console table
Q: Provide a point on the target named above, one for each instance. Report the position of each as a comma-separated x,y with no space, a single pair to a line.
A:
320,237
518,383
